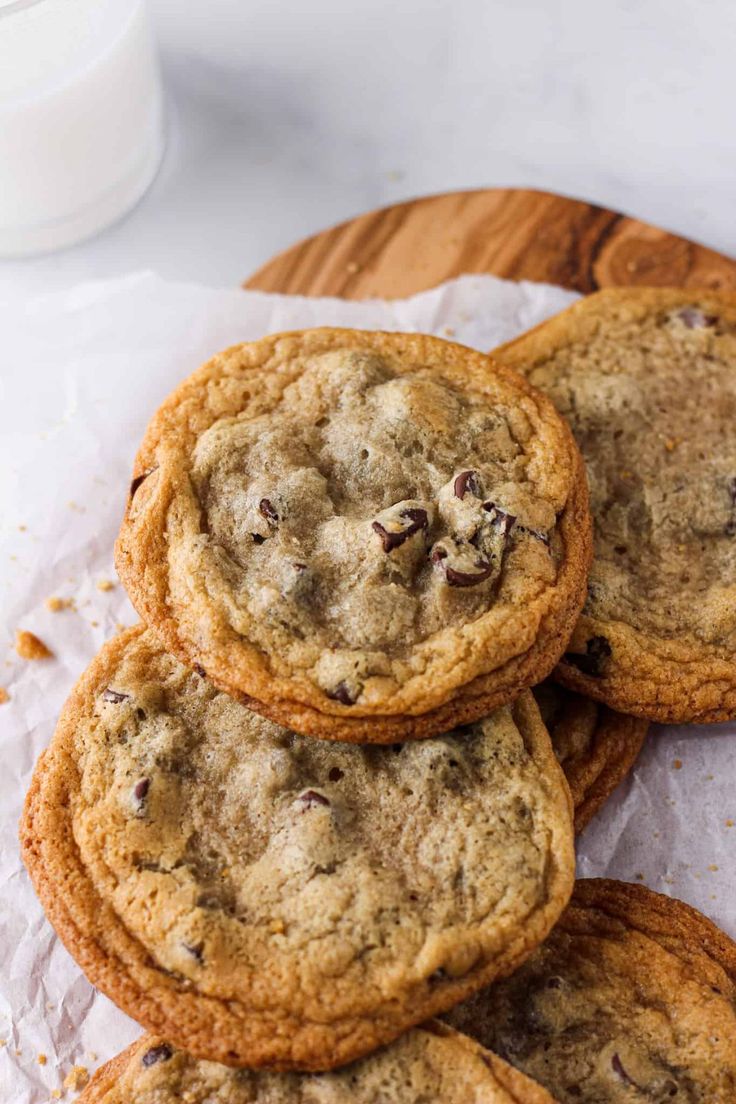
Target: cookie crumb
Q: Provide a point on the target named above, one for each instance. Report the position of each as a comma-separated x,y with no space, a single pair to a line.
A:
713,867
56,1094
56,604
29,646
22,528
448,331
640,877
352,267
3,1042
105,584
677,764
42,1059
729,823
4,695
77,1078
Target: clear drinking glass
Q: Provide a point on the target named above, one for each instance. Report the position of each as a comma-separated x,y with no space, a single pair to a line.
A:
81,118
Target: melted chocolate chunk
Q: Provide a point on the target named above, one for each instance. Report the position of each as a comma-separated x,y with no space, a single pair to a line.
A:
160,1053
593,662
335,774
114,696
618,1068
417,519
268,511
199,669
500,518
140,791
731,525
257,538
465,578
464,482
195,950
342,694
696,319
538,534
312,797
135,484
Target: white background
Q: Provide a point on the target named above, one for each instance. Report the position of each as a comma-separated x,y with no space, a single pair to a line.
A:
287,116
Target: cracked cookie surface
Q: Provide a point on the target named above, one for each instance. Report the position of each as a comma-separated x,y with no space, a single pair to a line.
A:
647,380
266,899
346,527
630,1000
431,1064
595,746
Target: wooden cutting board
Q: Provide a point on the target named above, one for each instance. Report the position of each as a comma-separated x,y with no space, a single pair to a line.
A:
519,234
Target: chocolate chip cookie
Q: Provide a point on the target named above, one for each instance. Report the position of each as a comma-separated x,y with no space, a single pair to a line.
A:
364,536
268,900
647,380
631,998
595,747
431,1064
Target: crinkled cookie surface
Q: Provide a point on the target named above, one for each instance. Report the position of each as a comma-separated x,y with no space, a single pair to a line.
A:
429,1065
630,1000
647,379
266,899
362,524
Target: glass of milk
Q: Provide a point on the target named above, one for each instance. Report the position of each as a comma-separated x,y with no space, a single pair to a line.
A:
81,119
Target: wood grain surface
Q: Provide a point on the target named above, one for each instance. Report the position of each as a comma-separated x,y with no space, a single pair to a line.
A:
519,234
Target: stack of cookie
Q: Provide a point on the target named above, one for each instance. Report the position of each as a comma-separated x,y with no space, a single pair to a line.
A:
311,801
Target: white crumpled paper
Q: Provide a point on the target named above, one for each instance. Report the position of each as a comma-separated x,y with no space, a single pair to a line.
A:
81,374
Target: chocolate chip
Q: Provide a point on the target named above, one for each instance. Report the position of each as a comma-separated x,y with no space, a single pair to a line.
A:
466,579
731,525
209,901
335,774
312,797
417,519
140,791
135,484
300,568
592,663
464,482
500,518
618,1067
696,319
195,950
199,669
160,1053
114,696
268,511
257,538
554,983
342,694
538,534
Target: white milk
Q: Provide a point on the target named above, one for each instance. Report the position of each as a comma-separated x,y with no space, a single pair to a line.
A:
81,129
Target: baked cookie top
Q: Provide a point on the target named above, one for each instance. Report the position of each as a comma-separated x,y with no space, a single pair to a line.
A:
265,899
647,379
431,1064
595,746
632,998
346,525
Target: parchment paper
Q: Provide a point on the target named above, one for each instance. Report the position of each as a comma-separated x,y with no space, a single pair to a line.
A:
81,372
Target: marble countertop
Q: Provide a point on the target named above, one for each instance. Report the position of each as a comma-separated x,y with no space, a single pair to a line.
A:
283,120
